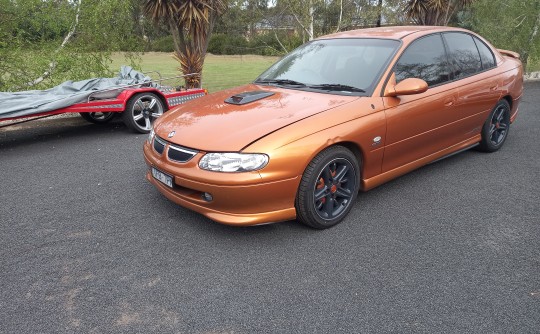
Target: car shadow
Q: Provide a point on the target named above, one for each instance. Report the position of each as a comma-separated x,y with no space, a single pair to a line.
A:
370,200
47,130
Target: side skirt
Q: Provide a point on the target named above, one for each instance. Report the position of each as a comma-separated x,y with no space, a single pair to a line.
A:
454,153
376,181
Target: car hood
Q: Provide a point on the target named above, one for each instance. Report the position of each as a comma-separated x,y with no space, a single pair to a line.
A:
210,124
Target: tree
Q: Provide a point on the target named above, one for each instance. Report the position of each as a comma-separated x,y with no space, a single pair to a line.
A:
45,42
190,23
510,24
434,12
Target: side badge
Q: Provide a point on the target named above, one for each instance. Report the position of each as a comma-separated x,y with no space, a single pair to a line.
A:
376,141
171,134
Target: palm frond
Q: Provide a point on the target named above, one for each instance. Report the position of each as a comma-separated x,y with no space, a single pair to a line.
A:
159,10
416,10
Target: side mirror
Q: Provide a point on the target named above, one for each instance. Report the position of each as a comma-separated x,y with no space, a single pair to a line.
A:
408,86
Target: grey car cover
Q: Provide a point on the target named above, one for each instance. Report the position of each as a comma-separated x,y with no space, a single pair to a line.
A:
28,103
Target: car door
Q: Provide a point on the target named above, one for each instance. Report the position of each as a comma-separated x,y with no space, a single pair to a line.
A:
471,63
421,124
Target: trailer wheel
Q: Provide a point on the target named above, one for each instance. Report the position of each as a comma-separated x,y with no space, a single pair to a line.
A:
141,111
98,117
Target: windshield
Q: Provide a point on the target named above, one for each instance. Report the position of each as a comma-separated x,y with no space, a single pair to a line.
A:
337,65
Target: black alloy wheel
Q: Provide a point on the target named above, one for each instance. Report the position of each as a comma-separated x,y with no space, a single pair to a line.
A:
496,127
328,188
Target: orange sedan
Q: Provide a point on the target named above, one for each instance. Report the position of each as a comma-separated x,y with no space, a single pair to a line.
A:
341,114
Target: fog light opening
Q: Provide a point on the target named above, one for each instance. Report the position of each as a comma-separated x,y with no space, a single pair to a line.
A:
207,197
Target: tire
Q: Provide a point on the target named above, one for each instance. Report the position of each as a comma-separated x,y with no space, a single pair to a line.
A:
496,127
98,117
328,188
141,112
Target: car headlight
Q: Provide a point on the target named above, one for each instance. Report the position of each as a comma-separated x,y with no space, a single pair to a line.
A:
151,136
233,162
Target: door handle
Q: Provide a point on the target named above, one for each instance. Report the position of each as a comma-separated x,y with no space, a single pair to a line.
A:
449,102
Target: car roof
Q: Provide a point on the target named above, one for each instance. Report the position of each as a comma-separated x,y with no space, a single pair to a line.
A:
398,32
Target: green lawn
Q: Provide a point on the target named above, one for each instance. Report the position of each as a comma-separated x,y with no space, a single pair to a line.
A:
219,72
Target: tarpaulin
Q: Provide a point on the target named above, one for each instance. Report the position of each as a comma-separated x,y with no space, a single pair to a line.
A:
27,103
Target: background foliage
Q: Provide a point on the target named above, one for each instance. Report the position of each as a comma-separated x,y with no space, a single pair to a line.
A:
509,24
32,31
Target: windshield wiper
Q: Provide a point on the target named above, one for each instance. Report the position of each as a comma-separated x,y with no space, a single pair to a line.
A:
337,87
281,82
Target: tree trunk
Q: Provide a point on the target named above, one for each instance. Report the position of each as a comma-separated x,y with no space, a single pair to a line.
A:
379,15
311,19
340,15
532,36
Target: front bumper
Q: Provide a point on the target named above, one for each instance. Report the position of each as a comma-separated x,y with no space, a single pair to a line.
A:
238,198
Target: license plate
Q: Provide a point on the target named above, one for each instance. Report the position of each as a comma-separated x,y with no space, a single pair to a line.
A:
162,177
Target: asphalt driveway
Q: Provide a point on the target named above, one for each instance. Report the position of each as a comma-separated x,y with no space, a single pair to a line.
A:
87,245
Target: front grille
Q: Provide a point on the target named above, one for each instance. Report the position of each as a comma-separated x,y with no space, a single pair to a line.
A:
180,154
159,145
175,152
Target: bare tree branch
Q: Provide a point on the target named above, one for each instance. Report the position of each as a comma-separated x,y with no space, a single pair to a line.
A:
523,17
279,41
66,40
301,25
534,30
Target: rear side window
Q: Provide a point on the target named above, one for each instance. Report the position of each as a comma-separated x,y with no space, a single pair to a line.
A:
425,59
487,57
463,54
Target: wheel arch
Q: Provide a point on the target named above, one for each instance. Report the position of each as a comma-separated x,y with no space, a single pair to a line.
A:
166,106
355,149
508,99
130,94
351,146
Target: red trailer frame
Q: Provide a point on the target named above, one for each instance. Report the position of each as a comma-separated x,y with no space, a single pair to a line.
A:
139,106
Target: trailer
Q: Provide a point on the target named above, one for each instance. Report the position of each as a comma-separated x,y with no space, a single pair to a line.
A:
138,104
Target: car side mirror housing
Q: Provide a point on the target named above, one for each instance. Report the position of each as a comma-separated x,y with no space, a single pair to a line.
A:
408,86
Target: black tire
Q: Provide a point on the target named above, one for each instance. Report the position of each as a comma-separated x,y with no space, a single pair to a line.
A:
496,127
328,188
141,112
98,117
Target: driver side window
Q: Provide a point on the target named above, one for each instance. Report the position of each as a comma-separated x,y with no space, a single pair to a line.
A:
425,59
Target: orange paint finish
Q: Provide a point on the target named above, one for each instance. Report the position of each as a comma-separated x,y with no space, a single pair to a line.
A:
230,127
232,216
391,129
355,123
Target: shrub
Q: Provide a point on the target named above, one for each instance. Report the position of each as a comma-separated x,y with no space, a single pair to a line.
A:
163,44
223,44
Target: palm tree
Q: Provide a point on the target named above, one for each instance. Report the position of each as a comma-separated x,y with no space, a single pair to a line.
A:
434,12
190,23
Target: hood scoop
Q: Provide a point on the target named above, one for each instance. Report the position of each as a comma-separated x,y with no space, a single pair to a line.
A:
248,97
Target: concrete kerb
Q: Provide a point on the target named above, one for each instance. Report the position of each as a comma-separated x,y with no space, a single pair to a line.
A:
532,76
